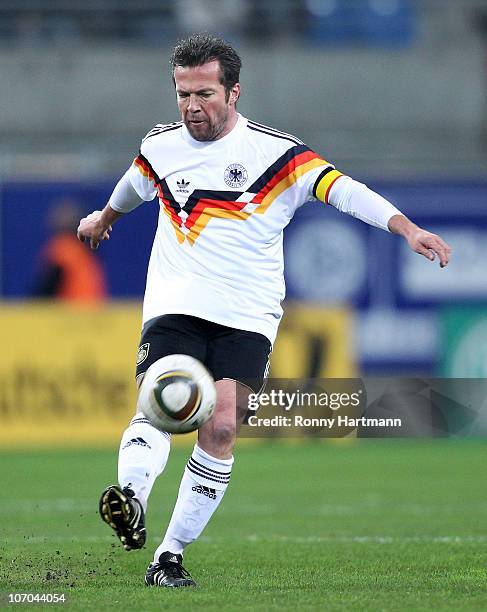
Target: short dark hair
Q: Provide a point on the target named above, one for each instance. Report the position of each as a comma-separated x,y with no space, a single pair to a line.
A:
199,49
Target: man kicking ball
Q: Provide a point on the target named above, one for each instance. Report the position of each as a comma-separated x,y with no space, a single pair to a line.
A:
227,187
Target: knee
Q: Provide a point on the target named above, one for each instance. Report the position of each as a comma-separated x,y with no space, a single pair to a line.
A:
223,434
217,437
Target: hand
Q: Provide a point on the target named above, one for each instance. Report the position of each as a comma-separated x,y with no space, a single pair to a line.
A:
93,229
420,241
428,244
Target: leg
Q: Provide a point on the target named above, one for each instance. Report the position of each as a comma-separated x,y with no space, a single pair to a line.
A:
218,436
203,485
207,472
232,355
144,449
142,457
143,454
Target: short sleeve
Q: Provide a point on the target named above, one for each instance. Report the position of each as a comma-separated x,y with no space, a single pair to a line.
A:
143,177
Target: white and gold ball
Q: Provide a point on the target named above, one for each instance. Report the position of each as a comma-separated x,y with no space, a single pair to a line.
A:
177,394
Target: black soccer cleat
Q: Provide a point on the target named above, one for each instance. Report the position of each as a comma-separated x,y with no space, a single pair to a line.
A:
168,572
125,515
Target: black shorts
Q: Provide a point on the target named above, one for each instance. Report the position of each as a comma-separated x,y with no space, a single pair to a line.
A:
226,352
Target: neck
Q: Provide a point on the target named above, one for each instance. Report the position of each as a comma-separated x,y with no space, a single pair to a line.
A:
231,123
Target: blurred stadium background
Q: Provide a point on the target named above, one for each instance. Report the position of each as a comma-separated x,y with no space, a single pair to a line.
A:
391,91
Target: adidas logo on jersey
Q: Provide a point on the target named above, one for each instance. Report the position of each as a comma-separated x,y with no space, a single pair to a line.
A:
182,186
211,493
136,441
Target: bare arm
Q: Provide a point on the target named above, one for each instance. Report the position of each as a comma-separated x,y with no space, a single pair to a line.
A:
419,240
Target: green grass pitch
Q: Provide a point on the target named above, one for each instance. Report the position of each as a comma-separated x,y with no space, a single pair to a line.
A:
359,525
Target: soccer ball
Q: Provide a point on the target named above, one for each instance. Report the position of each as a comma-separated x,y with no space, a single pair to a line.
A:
177,394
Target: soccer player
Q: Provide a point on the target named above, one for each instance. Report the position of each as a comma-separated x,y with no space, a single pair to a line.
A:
227,187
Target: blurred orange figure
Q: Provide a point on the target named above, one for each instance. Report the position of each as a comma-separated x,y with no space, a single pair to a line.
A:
70,270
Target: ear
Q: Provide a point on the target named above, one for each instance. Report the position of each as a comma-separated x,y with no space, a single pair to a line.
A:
234,94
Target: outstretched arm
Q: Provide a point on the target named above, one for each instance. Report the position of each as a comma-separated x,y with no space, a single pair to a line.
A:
354,198
420,241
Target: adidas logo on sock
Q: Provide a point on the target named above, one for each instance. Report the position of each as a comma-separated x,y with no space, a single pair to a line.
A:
137,441
211,493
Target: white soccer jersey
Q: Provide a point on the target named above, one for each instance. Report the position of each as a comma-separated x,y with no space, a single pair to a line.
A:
217,252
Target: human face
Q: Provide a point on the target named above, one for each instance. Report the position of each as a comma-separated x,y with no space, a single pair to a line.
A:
203,103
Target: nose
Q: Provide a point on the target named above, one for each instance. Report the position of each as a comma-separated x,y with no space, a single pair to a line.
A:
193,104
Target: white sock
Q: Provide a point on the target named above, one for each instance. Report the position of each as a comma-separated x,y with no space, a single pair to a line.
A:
142,457
203,485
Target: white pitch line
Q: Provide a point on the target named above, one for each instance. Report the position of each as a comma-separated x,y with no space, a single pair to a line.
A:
257,538
372,505
364,507
377,539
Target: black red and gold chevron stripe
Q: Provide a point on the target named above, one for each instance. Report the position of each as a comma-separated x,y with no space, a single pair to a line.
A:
282,174
145,168
203,205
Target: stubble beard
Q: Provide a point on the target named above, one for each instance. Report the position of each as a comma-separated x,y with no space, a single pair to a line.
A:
212,131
